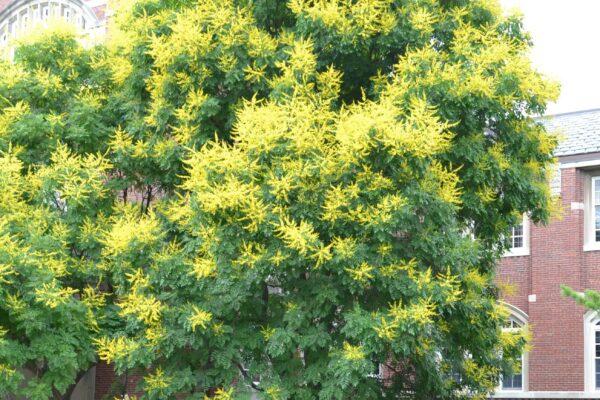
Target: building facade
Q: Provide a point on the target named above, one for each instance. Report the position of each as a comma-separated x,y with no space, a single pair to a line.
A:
564,361
19,17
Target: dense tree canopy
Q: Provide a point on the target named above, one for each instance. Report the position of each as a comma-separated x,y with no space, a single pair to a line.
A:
270,194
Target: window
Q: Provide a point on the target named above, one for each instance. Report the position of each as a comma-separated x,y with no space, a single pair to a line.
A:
597,357
517,381
591,339
45,13
377,372
596,210
512,382
519,239
67,14
592,213
516,237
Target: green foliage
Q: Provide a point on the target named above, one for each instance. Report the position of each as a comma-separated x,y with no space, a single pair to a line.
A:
292,191
590,299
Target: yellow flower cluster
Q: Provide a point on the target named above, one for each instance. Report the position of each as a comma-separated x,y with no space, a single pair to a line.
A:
221,394
199,318
52,295
146,308
157,381
131,230
368,17
352,353
111,349
362,273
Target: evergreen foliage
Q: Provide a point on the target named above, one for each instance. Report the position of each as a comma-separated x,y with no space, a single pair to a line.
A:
290,191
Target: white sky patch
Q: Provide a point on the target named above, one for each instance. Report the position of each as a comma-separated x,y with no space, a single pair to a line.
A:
566,36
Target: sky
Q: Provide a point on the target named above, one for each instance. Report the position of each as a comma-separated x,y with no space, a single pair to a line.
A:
566,36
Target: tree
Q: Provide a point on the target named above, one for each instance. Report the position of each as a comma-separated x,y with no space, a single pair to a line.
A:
53,186
292,191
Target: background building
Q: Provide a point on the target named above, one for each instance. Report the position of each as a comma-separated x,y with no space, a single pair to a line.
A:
19,17
564,361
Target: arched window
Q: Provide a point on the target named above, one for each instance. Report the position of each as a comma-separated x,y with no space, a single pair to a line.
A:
591,339
517,381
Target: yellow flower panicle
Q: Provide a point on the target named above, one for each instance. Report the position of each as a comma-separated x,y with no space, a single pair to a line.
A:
204,268
53,296
145,308
199,318
300,237
112,349
386,330
6,271
362,273
157,381
221,394
352,353
267,332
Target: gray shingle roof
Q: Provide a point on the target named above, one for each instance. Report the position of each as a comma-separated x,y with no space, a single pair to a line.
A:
579,132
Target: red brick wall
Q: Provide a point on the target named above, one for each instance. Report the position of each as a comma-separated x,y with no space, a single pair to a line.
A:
515,272
105,377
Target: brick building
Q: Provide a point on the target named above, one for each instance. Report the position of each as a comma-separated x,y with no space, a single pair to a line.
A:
564,361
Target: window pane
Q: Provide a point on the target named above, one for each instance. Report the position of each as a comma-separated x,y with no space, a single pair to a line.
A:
597,191
518,242
516,324
517,236
517,381
514,382
597,373
518,230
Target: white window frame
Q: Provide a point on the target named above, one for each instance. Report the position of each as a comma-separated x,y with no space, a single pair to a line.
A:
590,328
589,217
522,319
46,13
67,14
379,374
524,250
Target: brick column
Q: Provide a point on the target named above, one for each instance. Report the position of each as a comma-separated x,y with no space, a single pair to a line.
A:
556,360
